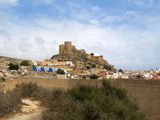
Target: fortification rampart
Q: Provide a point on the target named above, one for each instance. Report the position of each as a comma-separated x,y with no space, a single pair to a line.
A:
96,59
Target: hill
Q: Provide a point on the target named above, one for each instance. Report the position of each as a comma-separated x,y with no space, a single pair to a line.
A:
10,60
67,51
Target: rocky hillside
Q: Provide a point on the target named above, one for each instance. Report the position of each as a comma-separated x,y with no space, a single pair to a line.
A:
4,59
5,73
67,51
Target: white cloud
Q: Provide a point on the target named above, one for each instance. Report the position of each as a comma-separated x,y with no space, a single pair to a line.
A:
122,47
8,2
44,1
143,3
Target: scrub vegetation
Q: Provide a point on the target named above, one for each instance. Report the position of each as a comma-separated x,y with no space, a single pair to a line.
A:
78,103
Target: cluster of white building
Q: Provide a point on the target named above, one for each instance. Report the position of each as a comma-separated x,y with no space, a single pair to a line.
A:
74,72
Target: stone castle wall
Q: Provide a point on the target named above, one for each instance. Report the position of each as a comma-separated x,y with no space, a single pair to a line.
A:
96,59
67,49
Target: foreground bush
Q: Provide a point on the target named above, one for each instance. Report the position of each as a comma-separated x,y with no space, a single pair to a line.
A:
31,90
79,103
26,90
90,103
9,102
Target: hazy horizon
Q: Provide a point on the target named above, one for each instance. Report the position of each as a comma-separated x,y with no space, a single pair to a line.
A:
126,32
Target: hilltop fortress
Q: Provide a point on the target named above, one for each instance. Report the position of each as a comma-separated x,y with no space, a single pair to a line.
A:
69,51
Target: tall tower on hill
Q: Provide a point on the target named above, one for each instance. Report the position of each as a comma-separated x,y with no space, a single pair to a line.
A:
67,48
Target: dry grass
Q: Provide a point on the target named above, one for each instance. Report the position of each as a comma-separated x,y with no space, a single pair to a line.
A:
9,102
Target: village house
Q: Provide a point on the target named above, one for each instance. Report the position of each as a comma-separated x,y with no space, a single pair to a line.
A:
110,75
158,76
61,76
155,76
102,74
3,65
147,76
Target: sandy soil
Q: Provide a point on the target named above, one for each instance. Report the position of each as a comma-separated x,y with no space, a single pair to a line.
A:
30,110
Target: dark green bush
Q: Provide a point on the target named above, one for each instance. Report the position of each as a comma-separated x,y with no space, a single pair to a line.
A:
93,65
92,54
25,63
61,72
121,71
13,66
107,67
88,67
94,76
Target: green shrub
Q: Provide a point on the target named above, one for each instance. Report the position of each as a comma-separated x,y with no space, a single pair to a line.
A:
107,67
94,76
79,103
25,63
121,71
88,67
93,65
61,72
91,103
92,54
13,66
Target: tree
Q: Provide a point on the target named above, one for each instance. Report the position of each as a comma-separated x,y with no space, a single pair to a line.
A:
61,72
92,54
13,66
25,63
94,76
121,71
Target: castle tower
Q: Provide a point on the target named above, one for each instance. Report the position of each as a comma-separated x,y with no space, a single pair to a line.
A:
67,48
61,48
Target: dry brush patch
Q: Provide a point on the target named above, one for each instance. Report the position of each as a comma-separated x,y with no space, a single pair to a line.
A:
90,103
82,102
9,102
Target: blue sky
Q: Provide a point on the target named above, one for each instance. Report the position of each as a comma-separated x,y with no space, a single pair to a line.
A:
126,32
